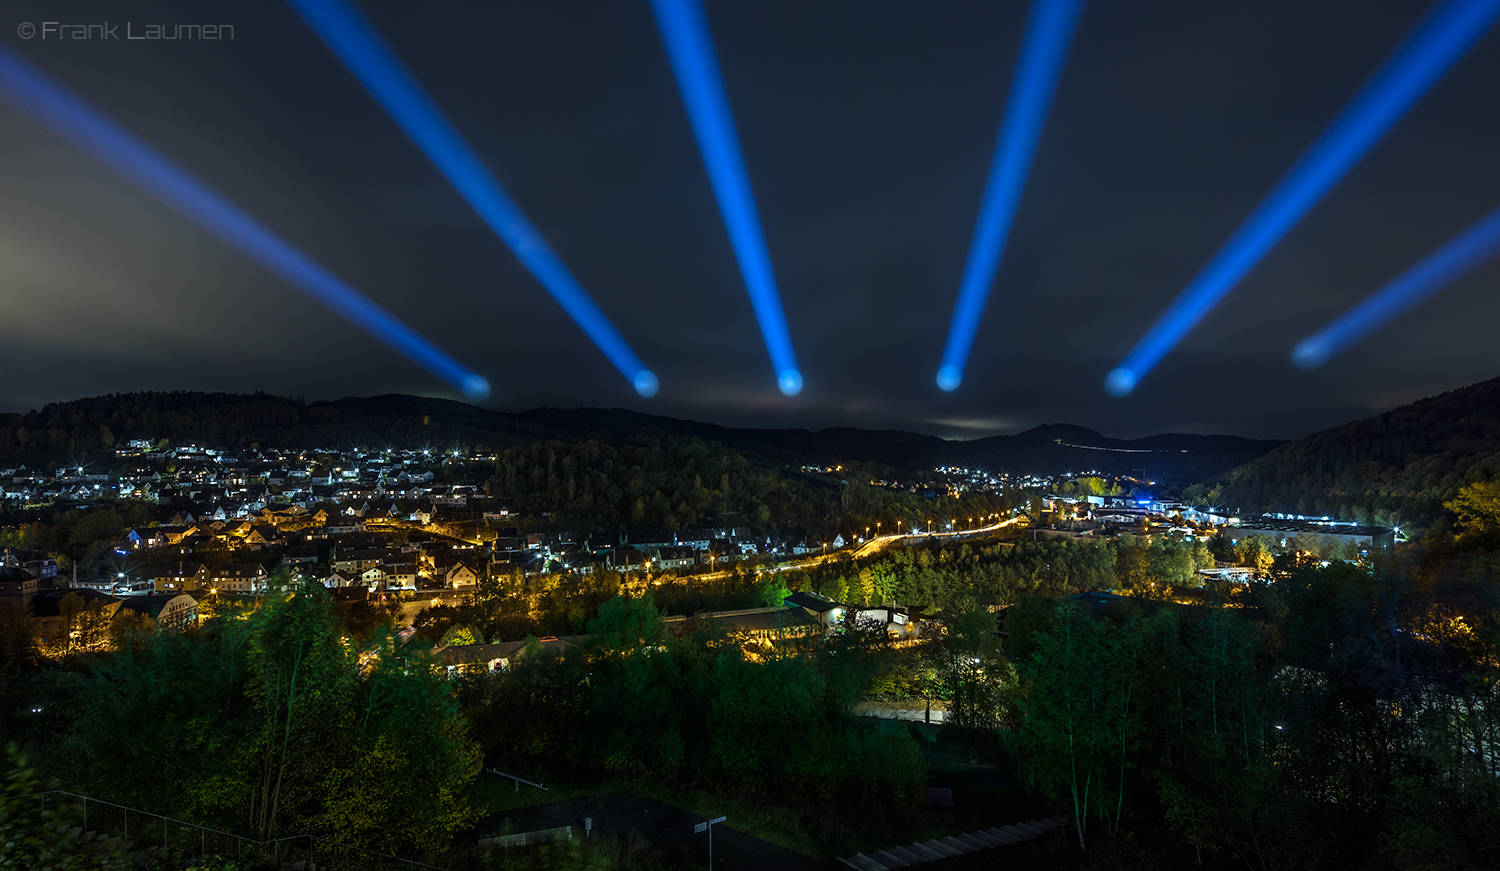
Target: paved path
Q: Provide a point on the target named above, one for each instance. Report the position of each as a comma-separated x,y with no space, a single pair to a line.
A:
671,827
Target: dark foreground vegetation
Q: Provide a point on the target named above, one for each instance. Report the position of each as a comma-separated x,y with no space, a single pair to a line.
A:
1339,715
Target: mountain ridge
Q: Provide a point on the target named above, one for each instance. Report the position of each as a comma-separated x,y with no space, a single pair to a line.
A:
1393,468
91,425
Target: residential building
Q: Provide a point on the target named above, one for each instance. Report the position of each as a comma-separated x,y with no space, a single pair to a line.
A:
239,578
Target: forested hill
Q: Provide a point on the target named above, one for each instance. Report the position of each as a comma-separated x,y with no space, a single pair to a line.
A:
1049,449
1395,468
85,428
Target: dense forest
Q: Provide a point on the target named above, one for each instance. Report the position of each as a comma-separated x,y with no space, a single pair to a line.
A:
1397,468
85,429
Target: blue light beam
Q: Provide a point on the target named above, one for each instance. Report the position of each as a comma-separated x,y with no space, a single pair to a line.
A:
1444,266
690,48
54,107
1044,49
354,40
1427,53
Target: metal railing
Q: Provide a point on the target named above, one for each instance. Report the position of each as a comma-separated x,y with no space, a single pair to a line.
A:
332,853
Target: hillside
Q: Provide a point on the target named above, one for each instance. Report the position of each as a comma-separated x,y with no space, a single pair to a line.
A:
1396,468
1049,449
84,428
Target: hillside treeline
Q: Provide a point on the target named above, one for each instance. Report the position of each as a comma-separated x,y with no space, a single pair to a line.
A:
1396,468
85,429
675,483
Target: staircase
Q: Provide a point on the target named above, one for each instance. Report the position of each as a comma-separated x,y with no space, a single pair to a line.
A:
946,848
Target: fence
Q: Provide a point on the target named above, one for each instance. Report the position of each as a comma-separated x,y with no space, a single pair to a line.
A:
316,850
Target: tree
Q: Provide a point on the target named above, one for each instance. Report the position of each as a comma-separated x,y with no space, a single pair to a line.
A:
760,713
977,675
408,748
301,680
625,624
1477,507
1255,552
458,634
1070,709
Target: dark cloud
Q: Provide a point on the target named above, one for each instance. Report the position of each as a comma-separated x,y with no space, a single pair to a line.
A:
867,129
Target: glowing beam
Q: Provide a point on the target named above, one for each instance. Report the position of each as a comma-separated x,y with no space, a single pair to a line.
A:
52,106
1437,43
1044,48
1444,266
351,37
690,47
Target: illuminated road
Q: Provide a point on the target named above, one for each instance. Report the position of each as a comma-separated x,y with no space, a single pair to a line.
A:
870,548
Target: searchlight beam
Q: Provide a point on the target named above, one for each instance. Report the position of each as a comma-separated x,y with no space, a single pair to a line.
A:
690,48
1044,49
1453,261
68,116
354,40
1427,53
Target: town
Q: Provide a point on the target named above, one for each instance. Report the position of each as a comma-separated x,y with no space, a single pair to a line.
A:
405,530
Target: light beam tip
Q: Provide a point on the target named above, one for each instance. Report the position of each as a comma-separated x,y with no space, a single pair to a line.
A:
645,383
1310,353
476,387
1119,382
949,377
790,382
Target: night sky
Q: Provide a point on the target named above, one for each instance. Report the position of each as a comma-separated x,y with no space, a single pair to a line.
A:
867,129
